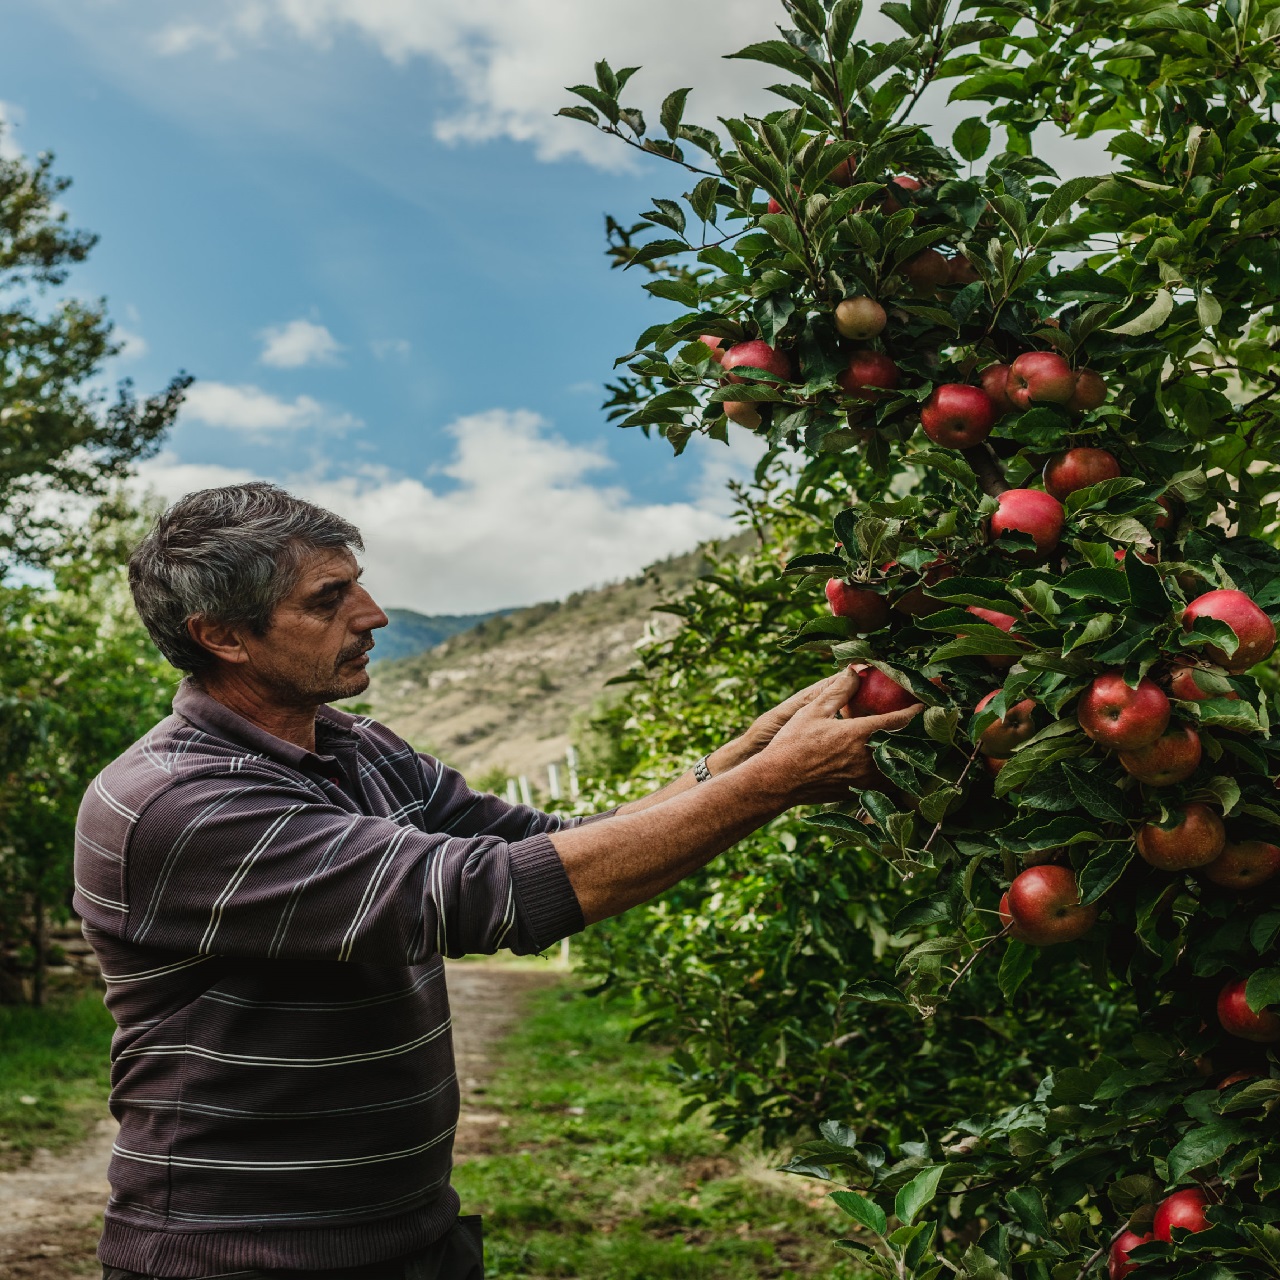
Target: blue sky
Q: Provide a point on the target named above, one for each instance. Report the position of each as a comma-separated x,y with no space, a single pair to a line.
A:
359,225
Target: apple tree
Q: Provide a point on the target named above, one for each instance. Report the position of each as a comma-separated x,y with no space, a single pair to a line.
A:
1053,408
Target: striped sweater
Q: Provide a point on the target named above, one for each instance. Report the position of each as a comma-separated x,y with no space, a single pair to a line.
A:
271,924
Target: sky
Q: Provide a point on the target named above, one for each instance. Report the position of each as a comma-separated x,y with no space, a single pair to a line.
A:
359,224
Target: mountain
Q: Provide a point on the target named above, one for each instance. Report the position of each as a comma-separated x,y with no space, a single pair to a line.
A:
501,699
409,632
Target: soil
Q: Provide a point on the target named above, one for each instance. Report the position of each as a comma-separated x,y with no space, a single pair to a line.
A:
51,1209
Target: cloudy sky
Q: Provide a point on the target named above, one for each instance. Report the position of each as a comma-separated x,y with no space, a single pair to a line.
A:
359,224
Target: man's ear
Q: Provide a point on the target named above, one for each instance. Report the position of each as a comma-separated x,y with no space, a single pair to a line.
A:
221,639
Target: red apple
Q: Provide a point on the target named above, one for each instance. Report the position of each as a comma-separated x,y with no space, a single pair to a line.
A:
1064,473
758,354
1040,377
1163,522
860,318
999,738
914,603
1184,1209
1236,1077
1239,1020
1183,683
1005,621
716,345
1196,840
1045,905
891,203
1255,631
962,271
744,412
1244,864
1171,758
995,382
865,610
867,373
878,695
927,272
842,174
1118,1264
958,415
1030,511
1121,718
1090,392
994,764
1007,922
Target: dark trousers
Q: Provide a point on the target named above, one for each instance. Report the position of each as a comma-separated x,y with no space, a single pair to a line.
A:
457,1255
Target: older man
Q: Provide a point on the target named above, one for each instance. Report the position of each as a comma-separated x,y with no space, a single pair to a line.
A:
271,884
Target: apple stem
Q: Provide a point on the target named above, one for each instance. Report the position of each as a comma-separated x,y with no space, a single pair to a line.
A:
986,466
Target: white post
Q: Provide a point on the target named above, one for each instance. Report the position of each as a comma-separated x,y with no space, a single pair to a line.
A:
564,952
553,781
525,797
512,797
571,759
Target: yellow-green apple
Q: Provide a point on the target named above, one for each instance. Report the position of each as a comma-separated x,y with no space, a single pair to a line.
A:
1090,391
1254,630
860,318
1030,511
1243,864
868,372
1184,1209
1172,757
1074,469
865,610
1195,840
1122,718
995,382
957,415
1185,683
1001,736
1040,377
927,272
1118,1264
1239,1020
1044,903
758,354
877,695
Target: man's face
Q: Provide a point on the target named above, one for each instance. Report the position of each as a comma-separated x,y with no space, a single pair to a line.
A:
316,648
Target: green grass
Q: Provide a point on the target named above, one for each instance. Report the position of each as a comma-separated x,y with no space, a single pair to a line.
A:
53,1073
626,1190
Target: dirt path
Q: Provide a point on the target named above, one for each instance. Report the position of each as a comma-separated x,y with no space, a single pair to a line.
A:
50,1209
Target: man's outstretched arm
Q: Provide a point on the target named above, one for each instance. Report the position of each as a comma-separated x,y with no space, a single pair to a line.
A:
812,759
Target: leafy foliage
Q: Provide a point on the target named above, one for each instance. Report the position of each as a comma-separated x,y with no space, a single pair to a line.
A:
1162,278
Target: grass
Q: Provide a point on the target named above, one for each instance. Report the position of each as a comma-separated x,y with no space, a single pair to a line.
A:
596,1174
53,1073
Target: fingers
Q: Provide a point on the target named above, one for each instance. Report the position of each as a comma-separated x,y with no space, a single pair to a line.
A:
834,692
890,720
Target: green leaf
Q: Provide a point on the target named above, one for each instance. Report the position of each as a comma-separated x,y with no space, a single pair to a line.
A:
1071,191
862,1210
1149,320
1104,869
673,111
1029,1209
1102,584
971,138
777,53
986,641
874,991
580,113
1262,989
1101,492
1146,588
917,1193
1015,967
1204,1146
1208,309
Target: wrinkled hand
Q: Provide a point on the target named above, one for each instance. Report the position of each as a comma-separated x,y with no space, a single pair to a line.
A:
765,729
822,758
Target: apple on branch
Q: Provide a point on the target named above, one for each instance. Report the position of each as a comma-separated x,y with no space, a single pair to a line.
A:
1194,840
1044,905
1183,1210
1196,684
865,609
1244,864
1005,621
927,272
1001,736
1040,377
1033,512
877,695
891,202
1064,473
1090,392
1237,1019
995,382
867,373
1171,758
958,416
860,318
1123,718
1254,630
1118,1264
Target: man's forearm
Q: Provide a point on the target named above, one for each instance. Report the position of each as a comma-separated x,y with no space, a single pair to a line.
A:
647,848
719,762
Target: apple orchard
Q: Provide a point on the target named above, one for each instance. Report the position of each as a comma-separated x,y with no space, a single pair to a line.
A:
1021,435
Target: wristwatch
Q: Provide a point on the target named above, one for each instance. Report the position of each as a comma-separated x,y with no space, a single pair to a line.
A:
701,771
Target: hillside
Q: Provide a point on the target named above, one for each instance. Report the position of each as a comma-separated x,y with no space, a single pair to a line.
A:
408,632
501,698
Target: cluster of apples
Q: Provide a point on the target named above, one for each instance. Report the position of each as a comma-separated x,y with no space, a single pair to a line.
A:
1183,1209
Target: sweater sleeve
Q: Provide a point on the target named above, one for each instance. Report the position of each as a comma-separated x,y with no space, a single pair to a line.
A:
247,864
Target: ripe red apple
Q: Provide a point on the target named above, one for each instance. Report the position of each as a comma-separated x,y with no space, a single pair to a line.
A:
961,270
744,412
860,318
1244,864
1118,1264
1044,903
1255,631
1236,1077
1184,1209
914,603
758,354
1184,684
1007,922
878,695
999,738
867,373
865,610
1239,1020
957,415
891,203
1090,392
1040,377
1064,473
716,345
1121,718
927,272
1030,511
995,382
1171,758
994,764
1005,621
1196,840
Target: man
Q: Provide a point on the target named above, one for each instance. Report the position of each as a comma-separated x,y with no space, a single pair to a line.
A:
271,884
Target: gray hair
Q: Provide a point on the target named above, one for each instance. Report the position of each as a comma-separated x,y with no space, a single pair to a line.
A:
229,554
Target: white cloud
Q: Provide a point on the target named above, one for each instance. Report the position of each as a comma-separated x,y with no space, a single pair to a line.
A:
298,343
255,412
133,346
10,117
386,348
516,519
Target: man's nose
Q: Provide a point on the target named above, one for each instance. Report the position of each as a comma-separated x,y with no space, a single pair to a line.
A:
368,616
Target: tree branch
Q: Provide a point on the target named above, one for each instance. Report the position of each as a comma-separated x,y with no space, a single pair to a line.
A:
986,466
